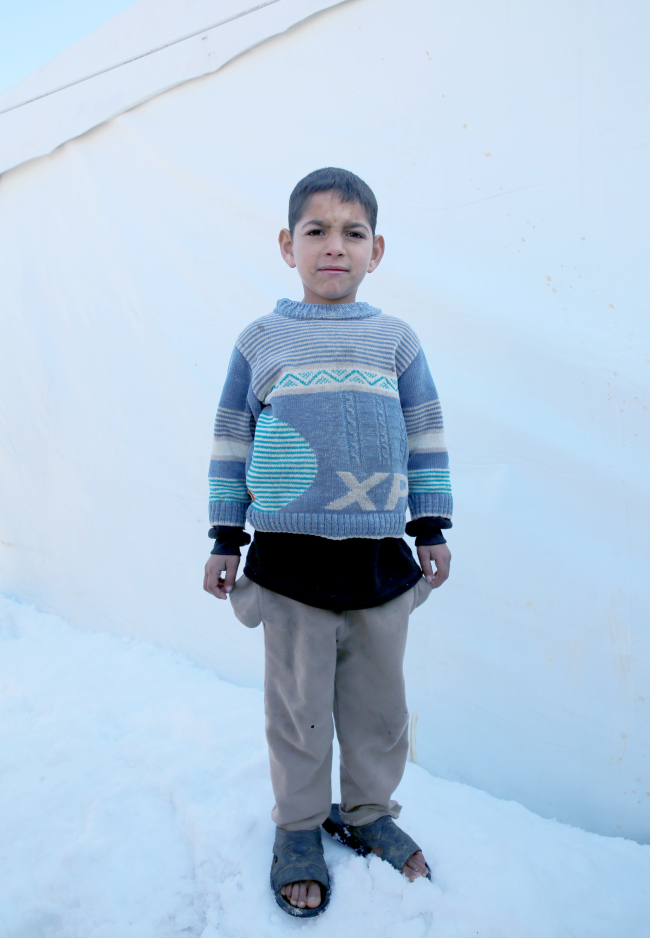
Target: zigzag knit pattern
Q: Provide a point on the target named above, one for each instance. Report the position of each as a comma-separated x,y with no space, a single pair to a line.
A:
304,379
329,423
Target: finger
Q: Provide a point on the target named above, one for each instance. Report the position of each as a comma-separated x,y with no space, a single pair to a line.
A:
442,573
209,575
425,563
232,563
215,584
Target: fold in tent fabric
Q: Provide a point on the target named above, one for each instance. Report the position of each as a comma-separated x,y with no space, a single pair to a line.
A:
123,64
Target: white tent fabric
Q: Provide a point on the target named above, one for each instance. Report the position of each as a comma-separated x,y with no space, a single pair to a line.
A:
507,146
147,49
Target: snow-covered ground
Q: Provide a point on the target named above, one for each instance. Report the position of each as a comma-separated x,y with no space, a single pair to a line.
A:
135,800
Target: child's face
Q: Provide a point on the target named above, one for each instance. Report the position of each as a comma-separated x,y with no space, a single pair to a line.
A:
332,247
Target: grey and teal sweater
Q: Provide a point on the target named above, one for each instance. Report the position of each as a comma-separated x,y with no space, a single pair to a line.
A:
329,424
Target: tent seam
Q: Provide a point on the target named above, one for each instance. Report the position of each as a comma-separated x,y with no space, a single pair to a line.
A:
79,81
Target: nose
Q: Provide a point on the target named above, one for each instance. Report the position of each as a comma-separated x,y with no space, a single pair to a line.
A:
335,245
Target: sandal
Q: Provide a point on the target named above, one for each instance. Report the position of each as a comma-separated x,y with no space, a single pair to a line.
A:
298,856
396,846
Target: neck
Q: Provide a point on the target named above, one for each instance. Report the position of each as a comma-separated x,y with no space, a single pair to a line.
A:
311,297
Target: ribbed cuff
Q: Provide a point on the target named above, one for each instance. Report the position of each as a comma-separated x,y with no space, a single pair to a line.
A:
431,505
231,514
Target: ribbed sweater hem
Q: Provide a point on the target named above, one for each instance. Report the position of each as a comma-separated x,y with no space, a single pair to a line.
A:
337,527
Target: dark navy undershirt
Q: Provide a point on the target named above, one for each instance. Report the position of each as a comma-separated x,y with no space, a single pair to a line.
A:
354,573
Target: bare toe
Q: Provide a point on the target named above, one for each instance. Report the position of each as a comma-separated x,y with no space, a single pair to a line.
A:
303,894
415,866
313,895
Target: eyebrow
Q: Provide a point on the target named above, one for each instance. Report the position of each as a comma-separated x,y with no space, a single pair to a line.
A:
322,224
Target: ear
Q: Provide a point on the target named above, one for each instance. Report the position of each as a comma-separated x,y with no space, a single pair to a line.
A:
378,249
286,247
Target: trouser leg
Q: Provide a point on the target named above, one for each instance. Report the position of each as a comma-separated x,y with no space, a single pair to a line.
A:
370,706
300,665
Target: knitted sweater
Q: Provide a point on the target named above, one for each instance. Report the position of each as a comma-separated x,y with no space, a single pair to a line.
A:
329,421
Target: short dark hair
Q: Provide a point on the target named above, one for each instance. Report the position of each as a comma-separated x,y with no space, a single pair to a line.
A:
348,186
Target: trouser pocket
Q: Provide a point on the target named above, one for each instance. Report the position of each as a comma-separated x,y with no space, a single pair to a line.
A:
245,599
421,592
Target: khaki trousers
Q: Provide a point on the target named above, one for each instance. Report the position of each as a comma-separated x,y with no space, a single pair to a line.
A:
322,664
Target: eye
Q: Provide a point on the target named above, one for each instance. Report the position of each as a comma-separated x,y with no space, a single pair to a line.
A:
356,234
315,231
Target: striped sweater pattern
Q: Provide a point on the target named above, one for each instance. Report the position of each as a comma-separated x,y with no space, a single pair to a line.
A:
329,423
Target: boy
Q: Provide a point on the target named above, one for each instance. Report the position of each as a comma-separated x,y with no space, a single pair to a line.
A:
328,422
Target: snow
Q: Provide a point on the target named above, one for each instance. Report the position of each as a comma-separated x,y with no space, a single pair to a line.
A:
135,802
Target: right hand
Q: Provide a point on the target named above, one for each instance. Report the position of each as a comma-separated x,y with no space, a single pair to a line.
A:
213,581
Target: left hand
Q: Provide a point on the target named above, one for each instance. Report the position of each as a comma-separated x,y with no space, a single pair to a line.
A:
440,555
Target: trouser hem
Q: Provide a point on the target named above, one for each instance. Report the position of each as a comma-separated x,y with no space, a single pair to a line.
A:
308,824
367,813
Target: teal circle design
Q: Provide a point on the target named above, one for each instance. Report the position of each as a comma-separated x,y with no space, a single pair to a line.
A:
283,465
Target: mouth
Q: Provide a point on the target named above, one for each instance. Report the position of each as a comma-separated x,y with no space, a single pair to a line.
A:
333,270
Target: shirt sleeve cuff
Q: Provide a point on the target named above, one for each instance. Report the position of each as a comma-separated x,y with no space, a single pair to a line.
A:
228,539
427,531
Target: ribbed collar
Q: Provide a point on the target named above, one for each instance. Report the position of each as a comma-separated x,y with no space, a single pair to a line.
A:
296,310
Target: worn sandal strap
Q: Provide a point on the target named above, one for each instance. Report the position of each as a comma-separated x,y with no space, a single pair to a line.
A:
342,832
395,844
297,856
